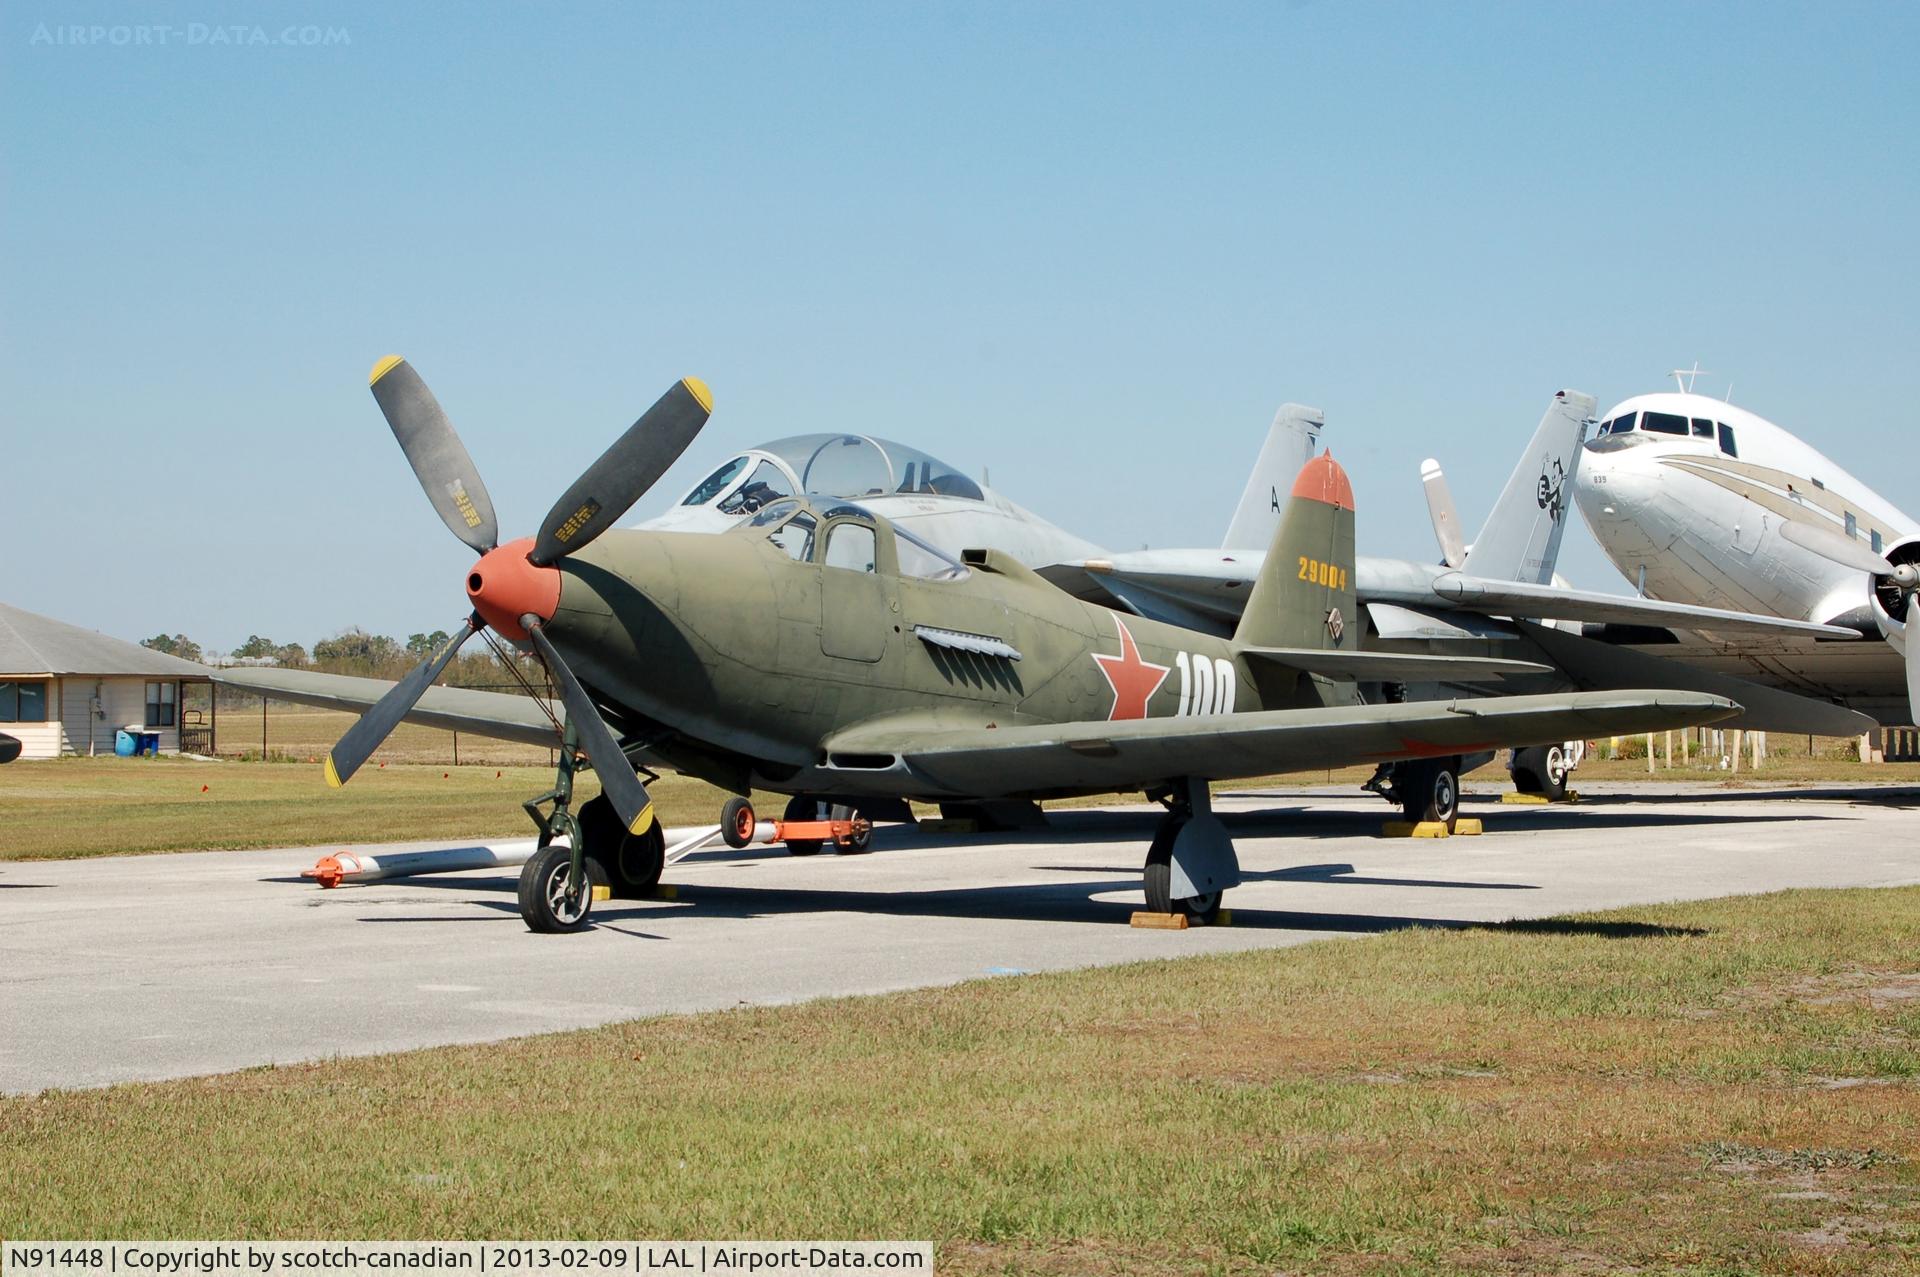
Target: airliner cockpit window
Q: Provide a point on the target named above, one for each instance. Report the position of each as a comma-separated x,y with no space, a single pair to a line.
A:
766,484
1726,440
1619,425
716,483
1665,423
1702,428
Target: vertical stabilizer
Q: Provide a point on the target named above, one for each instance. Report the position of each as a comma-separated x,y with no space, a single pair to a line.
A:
1291,439
1303,596
1521,538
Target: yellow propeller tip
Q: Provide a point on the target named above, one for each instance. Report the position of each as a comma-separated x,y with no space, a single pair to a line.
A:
384,367
642,822
333,776
698,389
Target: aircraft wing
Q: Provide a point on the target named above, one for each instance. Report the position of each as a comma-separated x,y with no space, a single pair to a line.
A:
1206,589
1016,760
502,715
1547,602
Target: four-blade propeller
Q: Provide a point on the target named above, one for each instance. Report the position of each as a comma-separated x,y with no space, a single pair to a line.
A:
605,491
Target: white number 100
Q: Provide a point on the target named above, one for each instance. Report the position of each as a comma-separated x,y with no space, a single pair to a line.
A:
1206,686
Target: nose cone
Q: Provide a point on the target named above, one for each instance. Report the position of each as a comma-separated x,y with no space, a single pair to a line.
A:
504,587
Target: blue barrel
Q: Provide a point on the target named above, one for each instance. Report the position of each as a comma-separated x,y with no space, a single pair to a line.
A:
125,743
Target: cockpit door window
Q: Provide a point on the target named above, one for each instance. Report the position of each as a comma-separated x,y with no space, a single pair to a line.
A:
851,546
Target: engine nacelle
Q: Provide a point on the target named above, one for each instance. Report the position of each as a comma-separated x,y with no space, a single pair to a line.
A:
1890,603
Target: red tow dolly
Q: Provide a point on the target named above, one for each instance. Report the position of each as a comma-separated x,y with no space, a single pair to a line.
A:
803,829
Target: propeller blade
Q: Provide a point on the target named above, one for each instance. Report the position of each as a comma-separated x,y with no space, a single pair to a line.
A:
1912,641
1831,545
1446,520
353,749
438,458
624,472
623,788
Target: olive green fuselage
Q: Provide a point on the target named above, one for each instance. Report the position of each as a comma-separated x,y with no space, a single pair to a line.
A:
737,663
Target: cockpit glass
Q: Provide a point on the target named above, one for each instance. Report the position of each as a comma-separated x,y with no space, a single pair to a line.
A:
772,514
795,536
766,484
1664,423
1619,425
716,483
848,465
1702,428
1726,440
918,559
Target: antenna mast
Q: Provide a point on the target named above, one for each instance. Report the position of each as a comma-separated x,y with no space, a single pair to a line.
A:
1691,374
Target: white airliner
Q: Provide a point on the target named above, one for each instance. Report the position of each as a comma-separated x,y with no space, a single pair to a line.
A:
1699,502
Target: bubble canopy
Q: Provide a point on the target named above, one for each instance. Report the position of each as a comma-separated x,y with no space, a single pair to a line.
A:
828,465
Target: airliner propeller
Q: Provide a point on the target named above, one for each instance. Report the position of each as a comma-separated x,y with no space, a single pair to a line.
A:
514,588
1847,552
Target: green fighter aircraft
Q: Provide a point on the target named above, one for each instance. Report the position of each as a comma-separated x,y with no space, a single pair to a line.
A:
821,652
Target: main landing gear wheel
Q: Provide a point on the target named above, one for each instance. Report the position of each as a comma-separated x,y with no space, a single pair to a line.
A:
630,863
799,808
544,900
1158,877
737,823
1541,769
860,840
1429,790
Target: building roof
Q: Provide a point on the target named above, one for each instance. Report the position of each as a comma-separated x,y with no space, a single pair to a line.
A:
35,644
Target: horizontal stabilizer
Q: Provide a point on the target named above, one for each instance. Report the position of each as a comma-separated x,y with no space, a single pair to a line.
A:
1394,667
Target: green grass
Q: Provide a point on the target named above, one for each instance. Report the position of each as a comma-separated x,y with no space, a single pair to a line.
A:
110,806
1716,1087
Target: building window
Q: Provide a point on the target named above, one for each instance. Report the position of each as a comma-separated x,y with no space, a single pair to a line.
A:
160,703
23,702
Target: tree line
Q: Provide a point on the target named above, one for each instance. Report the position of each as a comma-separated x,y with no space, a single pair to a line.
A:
357,652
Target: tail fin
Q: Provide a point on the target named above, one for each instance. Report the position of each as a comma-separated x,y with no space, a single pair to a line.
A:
1521,538
1303,597
1290,443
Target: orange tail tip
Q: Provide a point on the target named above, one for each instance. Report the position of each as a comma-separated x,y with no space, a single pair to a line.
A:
1323,480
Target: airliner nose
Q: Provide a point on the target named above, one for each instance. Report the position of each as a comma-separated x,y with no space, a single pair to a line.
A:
505,586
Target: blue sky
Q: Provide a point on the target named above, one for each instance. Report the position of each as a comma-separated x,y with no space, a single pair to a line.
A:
1087,247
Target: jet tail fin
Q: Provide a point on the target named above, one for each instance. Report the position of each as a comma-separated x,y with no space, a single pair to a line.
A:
1520,540
1303,597
1291,439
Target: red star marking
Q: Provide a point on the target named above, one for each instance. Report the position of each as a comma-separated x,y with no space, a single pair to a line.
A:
1133,680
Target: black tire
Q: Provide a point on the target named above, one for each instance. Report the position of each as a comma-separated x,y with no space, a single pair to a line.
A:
542,885
1430,791
1541,769
737,823
1157,878
861,840
630,863
801,807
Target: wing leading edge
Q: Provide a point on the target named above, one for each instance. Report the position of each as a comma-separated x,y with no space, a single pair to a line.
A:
1101,756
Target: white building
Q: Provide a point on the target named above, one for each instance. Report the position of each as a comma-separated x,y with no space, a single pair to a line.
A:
65,690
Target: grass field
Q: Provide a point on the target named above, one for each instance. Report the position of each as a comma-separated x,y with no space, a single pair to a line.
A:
100,806
1718,1087
110,806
